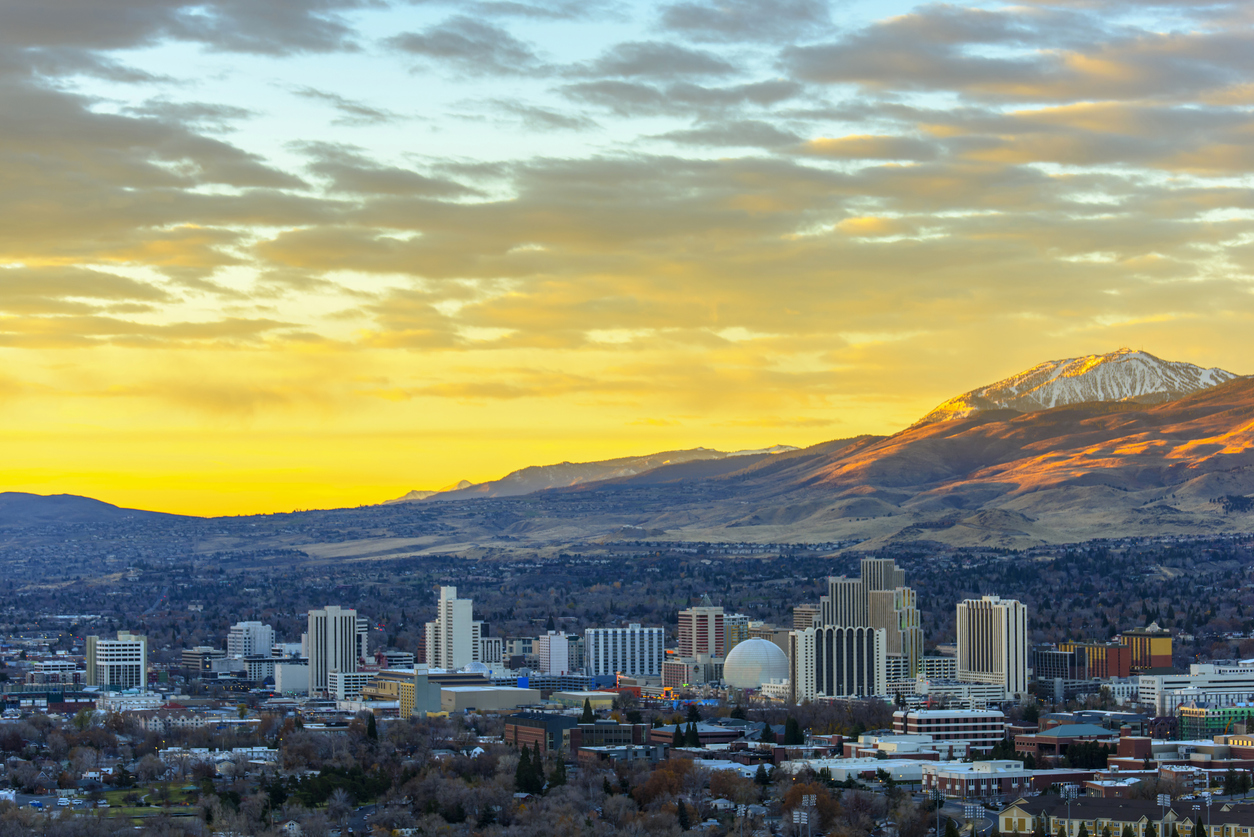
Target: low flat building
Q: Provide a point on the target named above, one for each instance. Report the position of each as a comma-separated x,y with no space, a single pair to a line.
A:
548,729
982,729
993,780
1053,743
486,698
598,700
707,733
599,756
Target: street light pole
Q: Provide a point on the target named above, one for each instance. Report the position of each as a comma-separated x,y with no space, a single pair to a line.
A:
936,796
1164,802
1069,793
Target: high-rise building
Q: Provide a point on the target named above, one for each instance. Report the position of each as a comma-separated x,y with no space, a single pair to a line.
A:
249,638
118,664
993,643
701,632
836,661
634,651
878,599
735,630
452,638
1151,647
553,650
332,640
363,638
806,616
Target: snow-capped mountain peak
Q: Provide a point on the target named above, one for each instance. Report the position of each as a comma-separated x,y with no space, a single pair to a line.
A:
1123,375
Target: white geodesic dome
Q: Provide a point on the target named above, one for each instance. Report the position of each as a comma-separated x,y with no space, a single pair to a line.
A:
754,662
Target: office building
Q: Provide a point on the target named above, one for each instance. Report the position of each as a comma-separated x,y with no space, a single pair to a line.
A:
635,651
363,638
332,639
993,643
248,639
878,599
117,665
983,729
553,651
806,616
452,638
1217,684
834,661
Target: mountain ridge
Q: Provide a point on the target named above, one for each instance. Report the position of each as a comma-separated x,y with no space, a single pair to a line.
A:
1122,375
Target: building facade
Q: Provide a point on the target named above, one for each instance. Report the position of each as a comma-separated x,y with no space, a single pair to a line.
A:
247,639
332,638
878,599
635,651
834,661
117,665
993,643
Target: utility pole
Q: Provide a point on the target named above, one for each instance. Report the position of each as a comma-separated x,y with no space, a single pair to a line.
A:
972,813
1164,802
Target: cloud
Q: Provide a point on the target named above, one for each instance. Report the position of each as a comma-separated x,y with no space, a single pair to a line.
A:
627,98
871,147
353,113
278,27
747,20
349,171
470,46
658,60
749,133
538,118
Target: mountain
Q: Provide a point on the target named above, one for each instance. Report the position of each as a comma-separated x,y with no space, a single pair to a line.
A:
1124,375
18,509
565,474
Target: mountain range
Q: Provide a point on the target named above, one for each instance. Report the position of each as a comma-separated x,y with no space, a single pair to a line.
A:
1107,445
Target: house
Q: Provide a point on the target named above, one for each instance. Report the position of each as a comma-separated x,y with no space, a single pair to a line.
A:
290,828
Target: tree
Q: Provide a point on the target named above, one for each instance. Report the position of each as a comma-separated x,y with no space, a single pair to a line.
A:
1084,830
1127,832
678,740
951,830
587,717
523,773
694,715
372,731
691,737
768,734
339,803
761,776
738,712
1150,831
537,769
681,812
792,732
558,776
1106,831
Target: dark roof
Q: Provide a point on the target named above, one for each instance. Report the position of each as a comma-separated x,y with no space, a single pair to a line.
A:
1075,731
1130,810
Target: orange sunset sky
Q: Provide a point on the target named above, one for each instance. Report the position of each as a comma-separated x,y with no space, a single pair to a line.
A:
258,257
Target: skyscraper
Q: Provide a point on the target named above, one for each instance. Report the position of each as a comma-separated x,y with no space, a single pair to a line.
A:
879,599
634,651
332,645
452,638
993,643
836,661
701,631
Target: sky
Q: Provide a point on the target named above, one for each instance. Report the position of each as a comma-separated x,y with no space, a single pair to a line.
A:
258,257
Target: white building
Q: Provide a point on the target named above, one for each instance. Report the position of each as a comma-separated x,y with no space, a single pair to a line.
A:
118,664
291,678
332,645
249,639
834,661
956,692
553,651
981,729
634,651
452,638
993,643
347,685
1218,684
491,652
